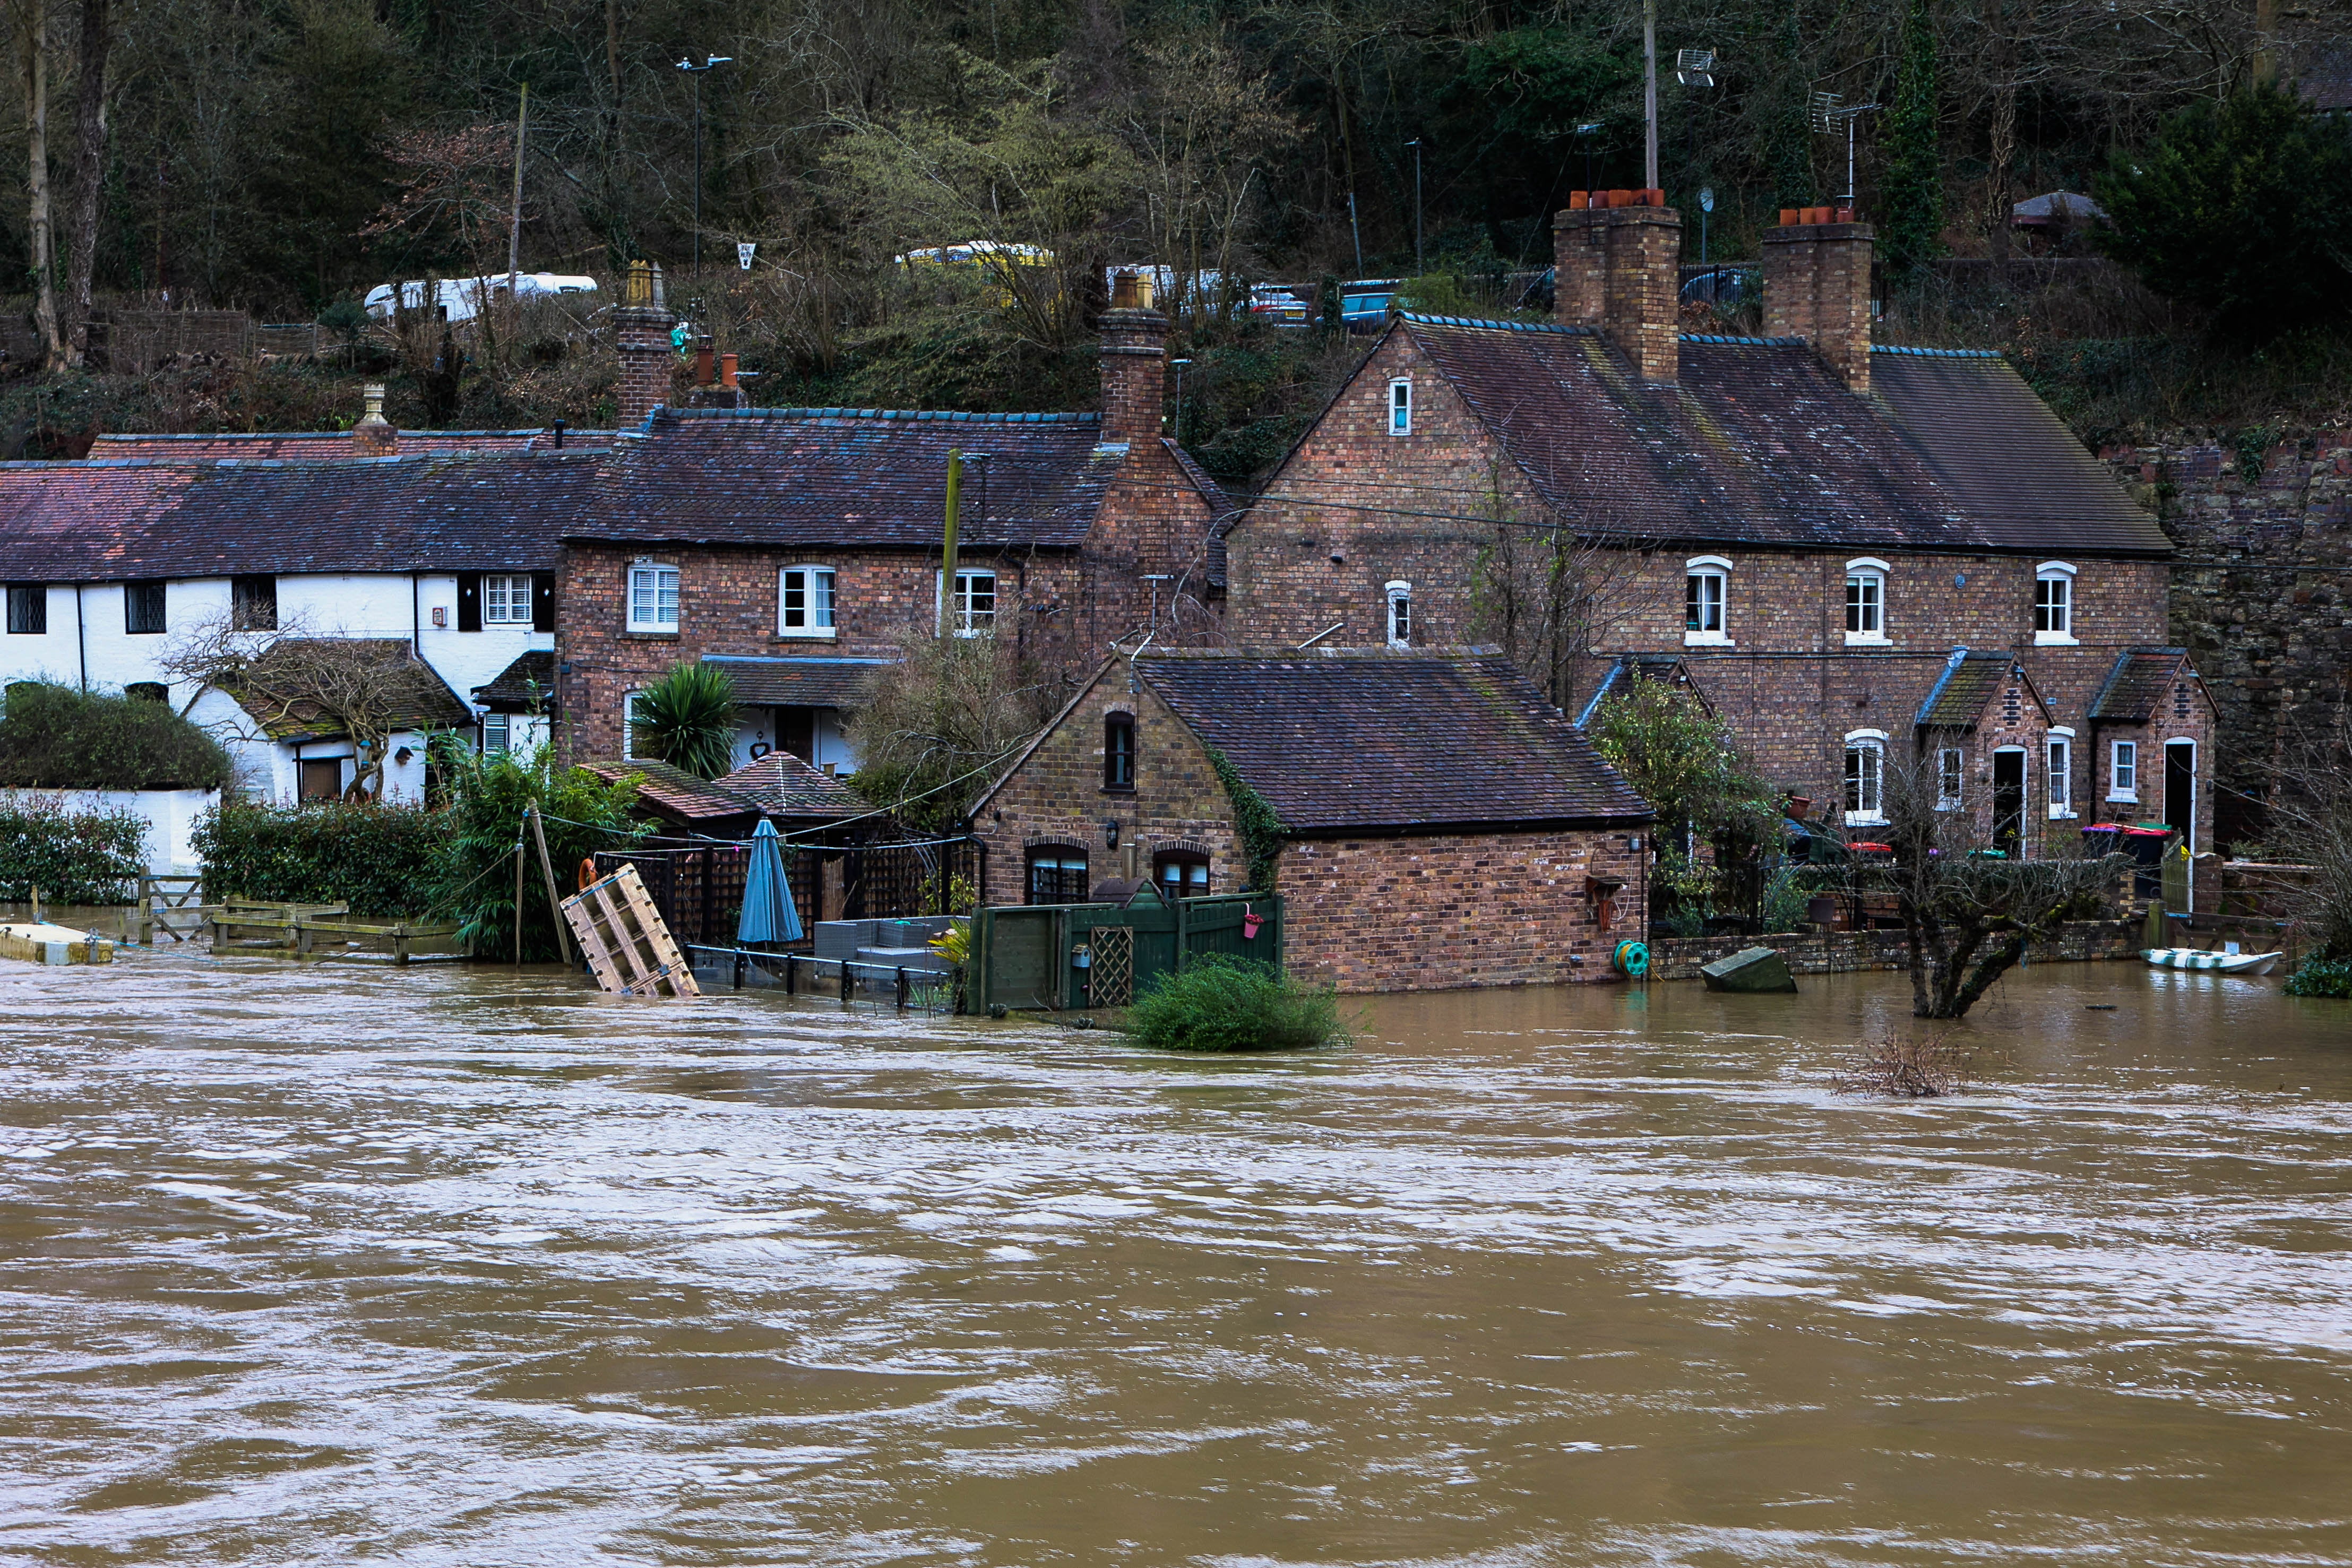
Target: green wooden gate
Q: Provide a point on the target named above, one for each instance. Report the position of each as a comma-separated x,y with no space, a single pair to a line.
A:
1039,955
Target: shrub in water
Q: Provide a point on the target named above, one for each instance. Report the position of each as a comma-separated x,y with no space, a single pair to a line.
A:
73,857
2319,976
1220,1004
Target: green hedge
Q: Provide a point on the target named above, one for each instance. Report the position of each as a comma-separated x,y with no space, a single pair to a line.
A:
380,859
73,857
53,737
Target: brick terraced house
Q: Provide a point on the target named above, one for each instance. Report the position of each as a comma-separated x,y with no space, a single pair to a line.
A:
793,546
1816,527
1443,825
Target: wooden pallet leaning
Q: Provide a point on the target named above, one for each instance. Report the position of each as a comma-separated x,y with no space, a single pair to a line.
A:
622,935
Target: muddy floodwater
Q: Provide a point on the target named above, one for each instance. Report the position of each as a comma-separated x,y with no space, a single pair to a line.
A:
459,1267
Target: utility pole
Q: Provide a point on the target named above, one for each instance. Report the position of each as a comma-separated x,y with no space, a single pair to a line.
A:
1650,92
1357,229
514,223
1180,364
948,554
1419,266
698,72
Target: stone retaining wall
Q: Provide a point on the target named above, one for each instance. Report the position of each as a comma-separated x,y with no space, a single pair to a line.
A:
1843,952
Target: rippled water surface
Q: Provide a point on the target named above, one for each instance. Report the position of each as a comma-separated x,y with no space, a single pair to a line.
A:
322,1265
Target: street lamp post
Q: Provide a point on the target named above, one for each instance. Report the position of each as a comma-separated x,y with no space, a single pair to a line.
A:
698,72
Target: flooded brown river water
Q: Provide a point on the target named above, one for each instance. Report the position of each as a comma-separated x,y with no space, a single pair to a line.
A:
316,1265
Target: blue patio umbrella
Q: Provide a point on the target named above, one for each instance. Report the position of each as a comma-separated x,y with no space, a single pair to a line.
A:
768,911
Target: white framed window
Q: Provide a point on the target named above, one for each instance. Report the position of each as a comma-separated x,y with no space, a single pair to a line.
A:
1865,777
497,732
1400,406
2053,604
1951,778
804,602
505,599
1706,592
652,597
1399,615
631,710
2123,771
974,610
2062,773
1865,601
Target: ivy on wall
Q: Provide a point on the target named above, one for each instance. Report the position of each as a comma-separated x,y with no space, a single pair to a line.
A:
1262,833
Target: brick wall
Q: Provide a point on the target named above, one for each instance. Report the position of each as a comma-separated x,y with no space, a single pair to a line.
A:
727,605
1848,951
1457,909
1056,795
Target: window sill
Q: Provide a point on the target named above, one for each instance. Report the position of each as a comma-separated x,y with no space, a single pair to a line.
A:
1706,639
2062,814
2123,800
1865,820
650,636
808,633
1868,639
2056,639
1119,789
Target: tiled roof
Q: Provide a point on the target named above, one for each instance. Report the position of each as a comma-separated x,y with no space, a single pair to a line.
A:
673,792
1759,443
781,785
2025,482
1385,741
414,694
319,446
852,478
2137,682
1972,679
104,522
801,682
530,680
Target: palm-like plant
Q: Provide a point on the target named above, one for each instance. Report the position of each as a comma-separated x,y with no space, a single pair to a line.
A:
687,719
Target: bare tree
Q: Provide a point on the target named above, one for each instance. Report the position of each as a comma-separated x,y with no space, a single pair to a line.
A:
33,54
365,689
2309,807
1969,912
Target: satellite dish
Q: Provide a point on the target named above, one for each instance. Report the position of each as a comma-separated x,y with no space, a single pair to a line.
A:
1706,198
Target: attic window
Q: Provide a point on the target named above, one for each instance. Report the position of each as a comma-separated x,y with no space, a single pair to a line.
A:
1118,751
1400,407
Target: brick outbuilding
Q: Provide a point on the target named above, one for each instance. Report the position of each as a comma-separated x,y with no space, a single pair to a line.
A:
2153,729
1440,824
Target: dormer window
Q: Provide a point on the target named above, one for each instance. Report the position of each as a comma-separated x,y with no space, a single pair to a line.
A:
2053,604
1400,406
1400,596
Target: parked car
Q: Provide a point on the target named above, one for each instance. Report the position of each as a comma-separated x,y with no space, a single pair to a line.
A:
460,299
1282,306
1365,310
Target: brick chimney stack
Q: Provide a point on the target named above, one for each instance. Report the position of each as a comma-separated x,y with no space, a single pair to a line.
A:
1817,287
372,436
642,324
1134,373
1619,268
